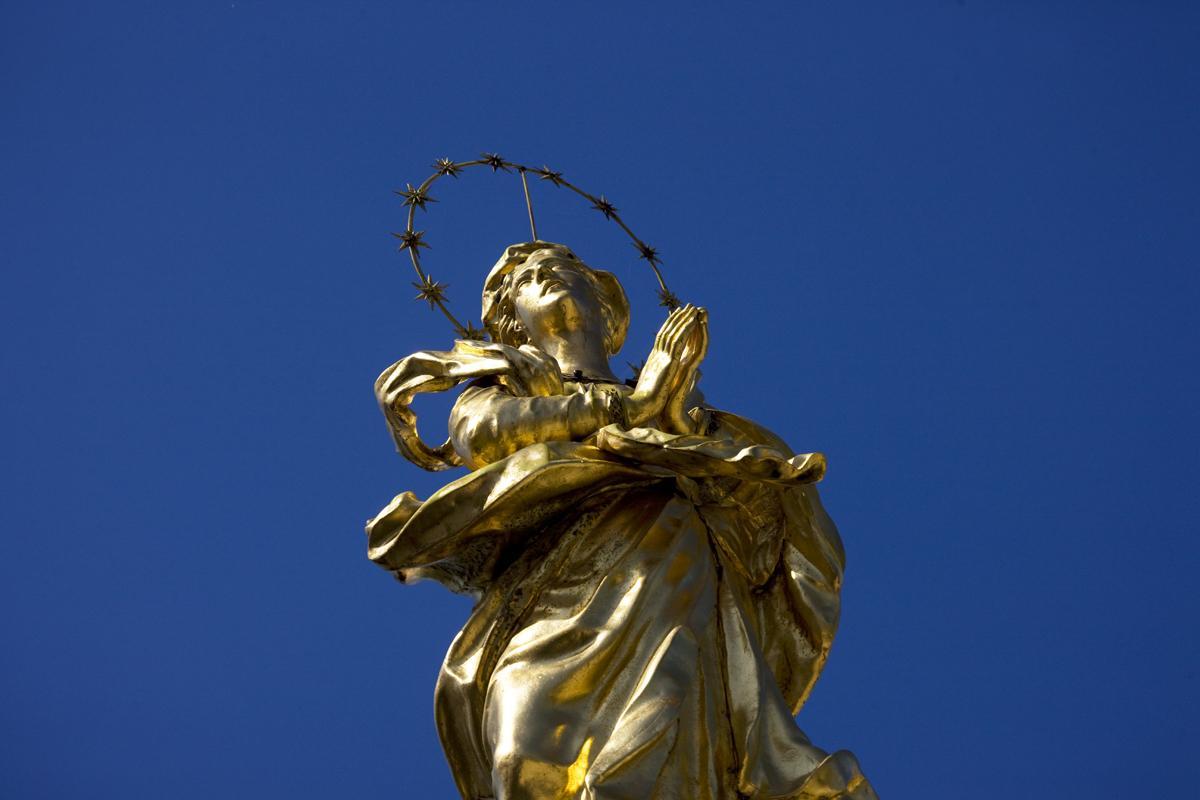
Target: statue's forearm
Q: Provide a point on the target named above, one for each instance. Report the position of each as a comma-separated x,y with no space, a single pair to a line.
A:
488,424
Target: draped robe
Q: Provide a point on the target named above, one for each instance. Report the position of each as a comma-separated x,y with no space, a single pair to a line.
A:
653,609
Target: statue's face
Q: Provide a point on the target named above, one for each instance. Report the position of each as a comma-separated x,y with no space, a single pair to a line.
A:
553,295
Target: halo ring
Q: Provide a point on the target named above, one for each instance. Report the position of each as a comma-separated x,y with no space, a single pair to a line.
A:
412,240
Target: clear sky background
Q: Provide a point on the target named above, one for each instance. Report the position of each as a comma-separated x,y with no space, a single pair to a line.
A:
950,244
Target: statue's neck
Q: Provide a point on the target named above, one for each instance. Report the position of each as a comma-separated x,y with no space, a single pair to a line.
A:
576,352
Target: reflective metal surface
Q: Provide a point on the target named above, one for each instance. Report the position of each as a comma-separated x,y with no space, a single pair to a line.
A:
657,582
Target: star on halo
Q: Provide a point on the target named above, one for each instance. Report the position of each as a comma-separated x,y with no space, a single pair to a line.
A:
604,207
548,174
647,252
430,291
411,240
495,162
469,331
667,299
445,166
415,197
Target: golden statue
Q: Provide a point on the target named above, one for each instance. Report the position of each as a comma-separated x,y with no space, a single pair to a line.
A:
657,581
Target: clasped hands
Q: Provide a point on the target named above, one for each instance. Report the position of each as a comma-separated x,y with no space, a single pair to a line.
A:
670,373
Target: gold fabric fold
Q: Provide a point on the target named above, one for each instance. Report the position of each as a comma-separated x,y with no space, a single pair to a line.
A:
652,612
705,456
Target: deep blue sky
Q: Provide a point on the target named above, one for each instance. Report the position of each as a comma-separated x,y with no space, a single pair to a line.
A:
950,244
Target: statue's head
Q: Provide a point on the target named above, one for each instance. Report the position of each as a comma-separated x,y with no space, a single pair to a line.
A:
541,289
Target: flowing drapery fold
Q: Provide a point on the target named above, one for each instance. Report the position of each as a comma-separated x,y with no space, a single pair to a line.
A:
652,611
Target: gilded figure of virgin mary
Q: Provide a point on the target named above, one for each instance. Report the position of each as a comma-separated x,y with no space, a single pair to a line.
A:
656,580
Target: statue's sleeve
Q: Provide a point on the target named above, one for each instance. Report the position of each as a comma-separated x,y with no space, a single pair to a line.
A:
488,423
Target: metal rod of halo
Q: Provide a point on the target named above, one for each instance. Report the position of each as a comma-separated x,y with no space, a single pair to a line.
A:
528,204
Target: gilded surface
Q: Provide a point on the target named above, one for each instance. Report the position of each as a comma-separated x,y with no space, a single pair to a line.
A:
657,581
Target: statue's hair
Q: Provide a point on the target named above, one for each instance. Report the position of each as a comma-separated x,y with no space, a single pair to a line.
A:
500,313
